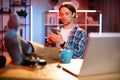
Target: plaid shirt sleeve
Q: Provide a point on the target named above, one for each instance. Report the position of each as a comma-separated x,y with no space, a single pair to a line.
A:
76,41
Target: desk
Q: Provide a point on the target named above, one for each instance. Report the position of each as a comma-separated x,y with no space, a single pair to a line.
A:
49,72
110,76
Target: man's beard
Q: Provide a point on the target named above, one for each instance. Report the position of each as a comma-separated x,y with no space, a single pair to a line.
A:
67,23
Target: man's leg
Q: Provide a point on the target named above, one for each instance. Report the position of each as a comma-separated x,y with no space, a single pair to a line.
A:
26,46
50,54
12,44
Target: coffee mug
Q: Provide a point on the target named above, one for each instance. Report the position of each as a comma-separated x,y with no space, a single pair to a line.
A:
66,55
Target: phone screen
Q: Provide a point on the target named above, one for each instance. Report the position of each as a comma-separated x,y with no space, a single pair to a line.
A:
55,31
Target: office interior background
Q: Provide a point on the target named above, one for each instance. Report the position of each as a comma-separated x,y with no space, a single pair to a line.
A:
109,9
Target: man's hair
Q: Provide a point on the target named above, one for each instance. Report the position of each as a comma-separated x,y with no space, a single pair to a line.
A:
70,6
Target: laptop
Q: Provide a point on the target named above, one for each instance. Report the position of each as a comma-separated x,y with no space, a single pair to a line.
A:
102,55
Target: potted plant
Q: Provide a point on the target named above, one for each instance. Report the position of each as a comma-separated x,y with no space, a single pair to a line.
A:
22,13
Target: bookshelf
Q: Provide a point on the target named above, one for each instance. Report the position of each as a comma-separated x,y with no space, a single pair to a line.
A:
23,10
4,16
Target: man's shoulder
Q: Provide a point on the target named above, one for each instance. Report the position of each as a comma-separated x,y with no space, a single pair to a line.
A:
79,28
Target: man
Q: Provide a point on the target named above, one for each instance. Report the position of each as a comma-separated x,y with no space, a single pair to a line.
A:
71,36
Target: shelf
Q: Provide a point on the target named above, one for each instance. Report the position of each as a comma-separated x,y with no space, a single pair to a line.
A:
53,24
88,24
24,24
93,24
19,5
76,24
4,12
77,11
2,31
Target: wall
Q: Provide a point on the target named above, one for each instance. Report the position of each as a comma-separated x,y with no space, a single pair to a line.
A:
39,7
111,15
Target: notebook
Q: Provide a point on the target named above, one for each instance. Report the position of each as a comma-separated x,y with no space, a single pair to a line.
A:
73,67
102,55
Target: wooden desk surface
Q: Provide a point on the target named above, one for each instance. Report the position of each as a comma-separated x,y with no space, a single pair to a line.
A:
110,76
49,72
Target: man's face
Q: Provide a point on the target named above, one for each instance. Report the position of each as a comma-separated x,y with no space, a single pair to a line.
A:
66,15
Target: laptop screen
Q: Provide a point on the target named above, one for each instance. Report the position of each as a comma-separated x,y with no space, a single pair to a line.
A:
102,54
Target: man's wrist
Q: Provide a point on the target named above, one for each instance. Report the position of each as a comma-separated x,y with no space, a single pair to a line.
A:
62,45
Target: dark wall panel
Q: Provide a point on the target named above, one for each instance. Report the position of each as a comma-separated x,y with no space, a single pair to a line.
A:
111,15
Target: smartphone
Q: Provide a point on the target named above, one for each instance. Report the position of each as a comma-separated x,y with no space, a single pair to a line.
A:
55,30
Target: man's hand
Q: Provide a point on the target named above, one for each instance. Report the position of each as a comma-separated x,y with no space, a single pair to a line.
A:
57,38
